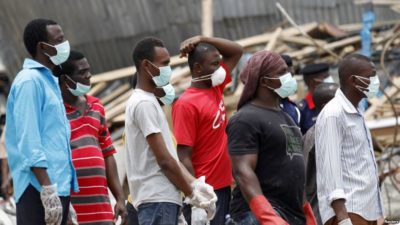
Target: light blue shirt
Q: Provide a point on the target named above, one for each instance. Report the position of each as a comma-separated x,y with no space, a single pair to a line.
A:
38,131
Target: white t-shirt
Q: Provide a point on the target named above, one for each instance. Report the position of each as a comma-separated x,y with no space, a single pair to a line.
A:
147,183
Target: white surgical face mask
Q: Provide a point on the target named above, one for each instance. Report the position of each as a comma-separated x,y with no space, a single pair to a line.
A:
169,96
373,87
329,80
63,50
288,85
80,89
217,77
163,78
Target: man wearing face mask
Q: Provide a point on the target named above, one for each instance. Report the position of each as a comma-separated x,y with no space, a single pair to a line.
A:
199,116
91,144
155,175
38,132
347,175
313,75
266,149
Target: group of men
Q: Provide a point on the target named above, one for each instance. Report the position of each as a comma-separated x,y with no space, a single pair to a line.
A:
61,153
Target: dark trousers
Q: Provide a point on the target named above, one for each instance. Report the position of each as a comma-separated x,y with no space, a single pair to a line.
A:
132,218
30,210
224,199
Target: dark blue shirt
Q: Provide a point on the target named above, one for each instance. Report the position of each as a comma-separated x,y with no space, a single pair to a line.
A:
308,113
291,109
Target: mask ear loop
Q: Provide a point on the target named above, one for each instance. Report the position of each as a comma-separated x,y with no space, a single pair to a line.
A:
271,78
202,78
360,88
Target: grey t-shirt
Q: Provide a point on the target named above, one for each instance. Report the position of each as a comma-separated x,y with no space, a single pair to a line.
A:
147,183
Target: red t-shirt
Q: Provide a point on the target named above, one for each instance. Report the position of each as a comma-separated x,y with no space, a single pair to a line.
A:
90,145
199,121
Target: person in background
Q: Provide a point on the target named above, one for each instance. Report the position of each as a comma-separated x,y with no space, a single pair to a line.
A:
286,104
38,131
91,145
313,74
155,175
323,93
347,175
199,117
266,149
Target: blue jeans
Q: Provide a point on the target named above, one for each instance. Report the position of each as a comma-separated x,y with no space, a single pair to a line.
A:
132,218
224,199
159,213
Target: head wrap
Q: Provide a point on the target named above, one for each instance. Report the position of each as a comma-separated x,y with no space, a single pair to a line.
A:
262,63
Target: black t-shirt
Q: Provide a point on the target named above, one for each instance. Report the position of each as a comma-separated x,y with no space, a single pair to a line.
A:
280,169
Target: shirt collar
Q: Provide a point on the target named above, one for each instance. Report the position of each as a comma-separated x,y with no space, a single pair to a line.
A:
31,64
310,101
347,106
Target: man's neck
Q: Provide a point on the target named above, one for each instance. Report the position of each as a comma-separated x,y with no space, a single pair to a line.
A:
200,85
141,84
71,99
354,99
44,60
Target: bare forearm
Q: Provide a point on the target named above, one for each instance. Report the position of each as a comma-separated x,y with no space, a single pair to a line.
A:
41,175
227,48
113,178
174,172
340,210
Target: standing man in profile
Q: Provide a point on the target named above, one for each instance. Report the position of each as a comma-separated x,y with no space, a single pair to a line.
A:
92,147
347,175
313,74
155,175
38,132
199,117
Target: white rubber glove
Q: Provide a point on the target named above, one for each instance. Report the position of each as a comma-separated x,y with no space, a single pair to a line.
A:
181,219
211,211
72,217
203,194
199,216
53,210
345,222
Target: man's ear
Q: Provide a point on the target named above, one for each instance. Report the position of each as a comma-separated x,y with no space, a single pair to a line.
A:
197,68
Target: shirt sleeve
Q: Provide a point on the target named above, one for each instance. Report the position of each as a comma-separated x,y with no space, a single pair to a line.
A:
28,100
146,118
328,137
184,119
242,138
106,143
227,80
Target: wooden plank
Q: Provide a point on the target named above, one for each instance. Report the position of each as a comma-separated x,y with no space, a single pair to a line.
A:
331,46
117,101
115,93
301,40
272,41
97,88
207,18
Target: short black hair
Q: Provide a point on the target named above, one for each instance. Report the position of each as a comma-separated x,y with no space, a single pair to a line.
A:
35,32
288,60
197,54
323,93
144,49
67,67
349,66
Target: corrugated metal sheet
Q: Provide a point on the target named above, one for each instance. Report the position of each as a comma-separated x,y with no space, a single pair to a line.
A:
107,30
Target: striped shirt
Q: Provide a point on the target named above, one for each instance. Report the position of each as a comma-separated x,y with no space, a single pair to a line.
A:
345,161
91,144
